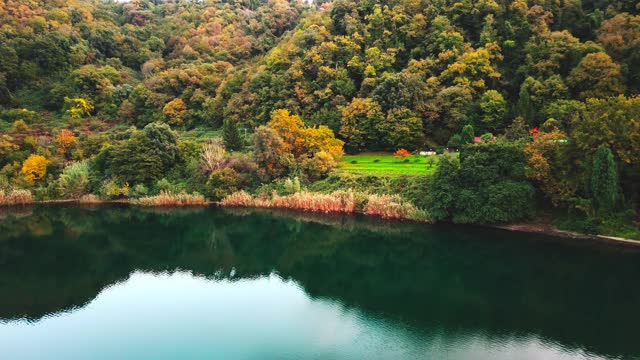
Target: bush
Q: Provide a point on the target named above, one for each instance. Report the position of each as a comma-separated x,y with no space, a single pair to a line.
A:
112,189
222,183
488,137
74,181
455,141
292,186
164,185
242,163
319,165
401,153
139,191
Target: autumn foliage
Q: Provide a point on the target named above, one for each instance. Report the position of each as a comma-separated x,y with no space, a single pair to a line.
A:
35,167
402,153
65,140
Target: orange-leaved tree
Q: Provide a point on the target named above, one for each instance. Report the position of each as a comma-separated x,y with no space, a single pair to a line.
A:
65,140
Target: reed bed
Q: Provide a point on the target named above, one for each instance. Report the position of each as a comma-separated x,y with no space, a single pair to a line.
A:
16,197
89,199
336,202
389,207
168,199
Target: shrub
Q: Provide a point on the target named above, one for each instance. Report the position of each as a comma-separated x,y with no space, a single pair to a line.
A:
164,185
167,199
112,189
74,181
354,161
222,183
456,141
15,197
319,165
432,160
139,191
402,153
242,163
488,137
376,160
292,186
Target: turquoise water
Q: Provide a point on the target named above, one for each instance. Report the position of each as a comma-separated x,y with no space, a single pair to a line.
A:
114,282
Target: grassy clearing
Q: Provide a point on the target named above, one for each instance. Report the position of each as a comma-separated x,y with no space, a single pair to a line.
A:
201,133
385,164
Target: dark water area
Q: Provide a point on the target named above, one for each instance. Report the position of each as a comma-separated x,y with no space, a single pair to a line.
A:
115,282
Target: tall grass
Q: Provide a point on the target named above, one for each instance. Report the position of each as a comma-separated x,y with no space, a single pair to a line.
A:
168,199
89,199
336,202
386,206
15,197
390,207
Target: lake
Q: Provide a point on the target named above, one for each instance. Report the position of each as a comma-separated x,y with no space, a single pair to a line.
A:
114,282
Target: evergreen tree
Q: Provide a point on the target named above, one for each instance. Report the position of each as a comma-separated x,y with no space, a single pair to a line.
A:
604,181
468,134
231,135
517,130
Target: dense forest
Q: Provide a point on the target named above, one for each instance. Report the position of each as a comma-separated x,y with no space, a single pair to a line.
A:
132,99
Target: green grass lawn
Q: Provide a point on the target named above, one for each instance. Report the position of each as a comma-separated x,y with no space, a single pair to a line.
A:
201,133
384,164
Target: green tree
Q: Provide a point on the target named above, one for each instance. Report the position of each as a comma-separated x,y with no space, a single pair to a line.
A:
231,135
271,154
492,110
145,157
359,120
441,198
402,128
605,186
597,75
468,136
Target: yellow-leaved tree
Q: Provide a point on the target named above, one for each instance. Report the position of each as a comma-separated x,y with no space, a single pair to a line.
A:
35,167
78,107
291,130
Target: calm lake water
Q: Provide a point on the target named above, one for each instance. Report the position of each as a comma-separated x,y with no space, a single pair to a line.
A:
113,282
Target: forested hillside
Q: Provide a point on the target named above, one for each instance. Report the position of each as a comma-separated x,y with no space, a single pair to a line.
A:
133,94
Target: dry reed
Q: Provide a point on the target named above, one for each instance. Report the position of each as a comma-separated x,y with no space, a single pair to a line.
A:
386,206
336,202
389,207
89,199
168,199
15,197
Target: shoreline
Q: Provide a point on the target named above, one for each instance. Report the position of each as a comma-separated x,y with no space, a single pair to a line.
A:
540,227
